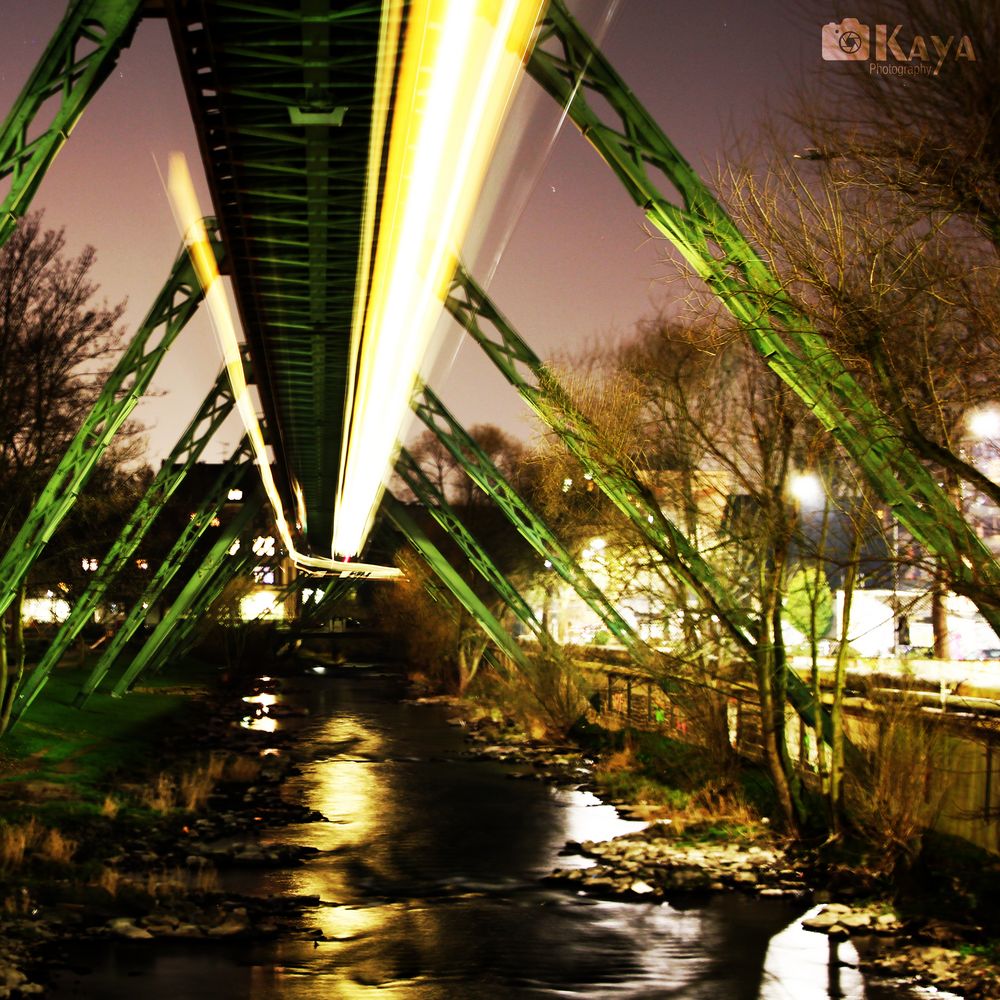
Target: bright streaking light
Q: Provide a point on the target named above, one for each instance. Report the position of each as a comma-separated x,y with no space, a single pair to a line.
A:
187,213
460,65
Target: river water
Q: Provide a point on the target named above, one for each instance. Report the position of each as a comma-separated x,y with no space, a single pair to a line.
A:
429,888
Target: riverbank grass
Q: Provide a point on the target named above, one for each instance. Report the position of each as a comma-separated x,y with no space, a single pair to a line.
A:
62,753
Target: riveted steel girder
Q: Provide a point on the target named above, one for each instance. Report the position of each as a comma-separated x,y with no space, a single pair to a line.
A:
233,474
78,59
529,525
202,587
282,100
438,507
462,592
214,410
572,69
124,387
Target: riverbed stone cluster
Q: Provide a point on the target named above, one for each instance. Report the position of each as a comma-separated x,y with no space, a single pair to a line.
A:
654,864
667,861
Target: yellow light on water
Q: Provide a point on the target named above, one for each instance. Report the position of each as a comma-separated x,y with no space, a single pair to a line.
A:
461,62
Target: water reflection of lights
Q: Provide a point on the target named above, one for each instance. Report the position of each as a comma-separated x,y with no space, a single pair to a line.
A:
347,923
587,818
798,964
259,723
264,699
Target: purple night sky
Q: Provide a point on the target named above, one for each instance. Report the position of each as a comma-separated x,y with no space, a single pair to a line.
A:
577,268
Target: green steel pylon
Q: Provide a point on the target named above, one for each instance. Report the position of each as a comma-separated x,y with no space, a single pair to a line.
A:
174,306
439,596
233,474
568,65
83,51
197,592
217,406
540,389
438,507
463,593
532,528
180,638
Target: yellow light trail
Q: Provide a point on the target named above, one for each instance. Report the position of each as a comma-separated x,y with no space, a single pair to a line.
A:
461,63
188,214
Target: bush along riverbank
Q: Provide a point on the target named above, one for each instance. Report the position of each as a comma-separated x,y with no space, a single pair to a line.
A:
932,923
124,851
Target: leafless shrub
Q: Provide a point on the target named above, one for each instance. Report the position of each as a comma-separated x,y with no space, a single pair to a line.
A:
894,803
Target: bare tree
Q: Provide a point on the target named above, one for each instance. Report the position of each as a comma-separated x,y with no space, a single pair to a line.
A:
53,342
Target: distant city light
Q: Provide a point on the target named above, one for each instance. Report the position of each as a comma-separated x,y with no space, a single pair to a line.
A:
236,494
264,545
89,564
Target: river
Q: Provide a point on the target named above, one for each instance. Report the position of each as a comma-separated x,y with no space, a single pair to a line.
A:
429,888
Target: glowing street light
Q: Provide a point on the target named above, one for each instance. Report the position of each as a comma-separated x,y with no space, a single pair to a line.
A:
806,488
984,423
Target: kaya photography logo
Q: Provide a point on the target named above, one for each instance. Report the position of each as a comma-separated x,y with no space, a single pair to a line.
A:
889,51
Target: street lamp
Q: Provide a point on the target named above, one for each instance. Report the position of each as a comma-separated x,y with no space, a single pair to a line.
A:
806,488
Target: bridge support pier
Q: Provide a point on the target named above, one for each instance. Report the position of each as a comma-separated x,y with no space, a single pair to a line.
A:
234,473
217,406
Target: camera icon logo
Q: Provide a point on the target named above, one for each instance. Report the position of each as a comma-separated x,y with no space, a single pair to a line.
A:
849,40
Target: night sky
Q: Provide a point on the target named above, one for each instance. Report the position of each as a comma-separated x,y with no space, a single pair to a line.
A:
577,267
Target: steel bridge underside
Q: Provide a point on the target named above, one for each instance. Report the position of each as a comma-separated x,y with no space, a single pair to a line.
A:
281,97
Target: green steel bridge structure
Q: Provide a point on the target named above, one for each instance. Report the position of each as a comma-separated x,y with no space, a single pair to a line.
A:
284,100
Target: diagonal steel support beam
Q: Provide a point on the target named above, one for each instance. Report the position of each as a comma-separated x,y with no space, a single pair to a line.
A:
438,507
462,592
218,564
540,389
180,638
439,596
233,474
314,610
214,410
82,53
568,65
529,525
124,387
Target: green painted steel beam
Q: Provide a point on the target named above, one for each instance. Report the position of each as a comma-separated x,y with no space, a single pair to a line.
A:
124,387
196,591
183,636
314,610
234,473
214,410
82,53
438,507
446,573
531,527
541,390
568,65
